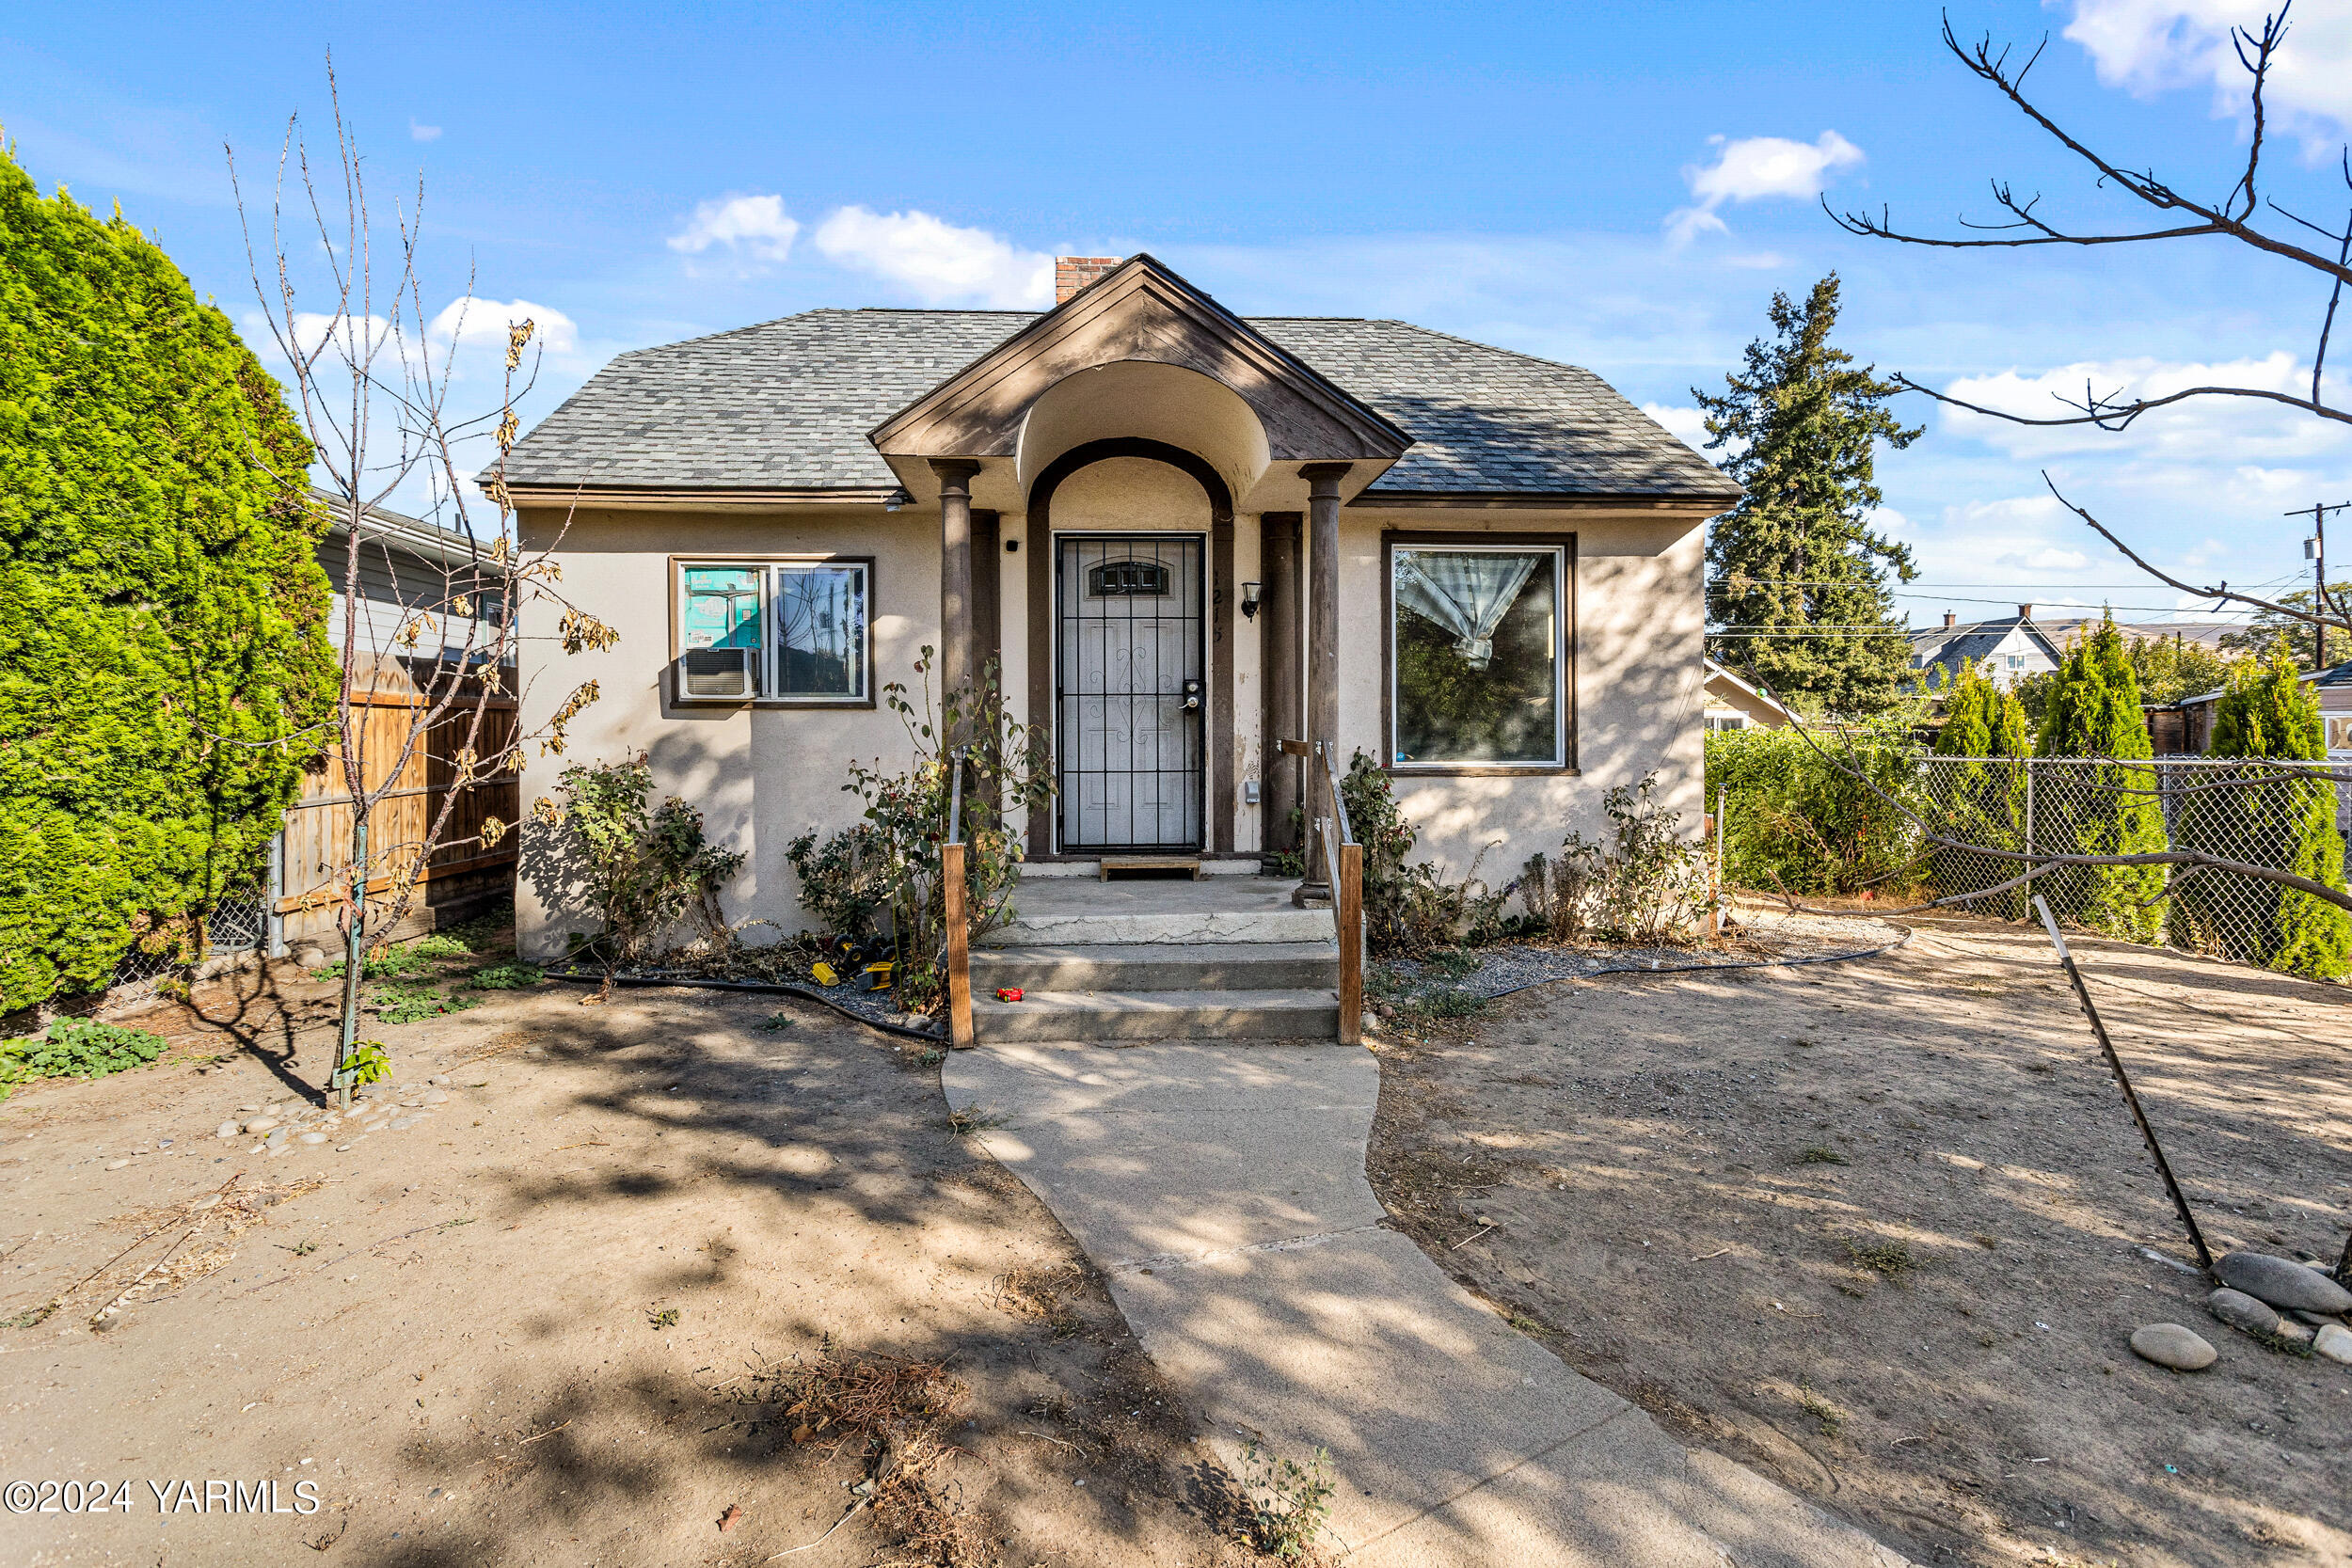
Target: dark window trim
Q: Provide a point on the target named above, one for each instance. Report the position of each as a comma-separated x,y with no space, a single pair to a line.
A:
763,559
1499,538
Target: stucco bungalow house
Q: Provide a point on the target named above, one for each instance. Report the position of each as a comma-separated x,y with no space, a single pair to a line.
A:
1182,536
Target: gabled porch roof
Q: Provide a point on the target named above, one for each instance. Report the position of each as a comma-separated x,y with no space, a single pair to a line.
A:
1140,314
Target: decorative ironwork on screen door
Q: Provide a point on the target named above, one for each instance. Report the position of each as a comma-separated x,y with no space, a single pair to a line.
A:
1129,693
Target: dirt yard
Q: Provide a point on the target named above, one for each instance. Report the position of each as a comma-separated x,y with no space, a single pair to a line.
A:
1877,1230
626,1292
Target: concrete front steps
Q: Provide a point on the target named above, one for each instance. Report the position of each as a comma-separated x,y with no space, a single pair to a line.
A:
1226,959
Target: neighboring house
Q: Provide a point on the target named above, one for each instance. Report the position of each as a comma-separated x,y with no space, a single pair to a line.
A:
1182,537
2005,651
1732,703
408,568
409,573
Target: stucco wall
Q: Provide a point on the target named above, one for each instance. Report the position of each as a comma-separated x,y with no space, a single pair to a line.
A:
763,775
760,775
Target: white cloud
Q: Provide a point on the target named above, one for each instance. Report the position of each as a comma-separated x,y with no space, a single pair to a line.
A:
2047,559
2199,429
935,261
424,133
1689,425
310,332
1753,168
2151,46
2019,539
465,319
755,229
1888,519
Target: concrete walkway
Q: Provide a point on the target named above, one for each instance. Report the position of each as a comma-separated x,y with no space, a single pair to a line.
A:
1221,1189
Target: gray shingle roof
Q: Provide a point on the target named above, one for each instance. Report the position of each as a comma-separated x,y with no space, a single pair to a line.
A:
1973,641
785,404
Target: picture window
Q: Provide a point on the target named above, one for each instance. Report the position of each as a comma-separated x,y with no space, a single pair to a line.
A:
1478,656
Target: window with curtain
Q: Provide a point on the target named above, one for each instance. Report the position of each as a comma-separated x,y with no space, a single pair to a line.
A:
1477,656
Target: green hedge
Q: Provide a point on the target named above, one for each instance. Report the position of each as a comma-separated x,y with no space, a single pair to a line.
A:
162,616
1798,821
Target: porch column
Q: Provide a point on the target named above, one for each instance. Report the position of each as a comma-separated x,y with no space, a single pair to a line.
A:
1323,638
1278,657
955,576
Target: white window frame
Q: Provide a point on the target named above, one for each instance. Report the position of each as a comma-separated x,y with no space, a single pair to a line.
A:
1560,551
769,668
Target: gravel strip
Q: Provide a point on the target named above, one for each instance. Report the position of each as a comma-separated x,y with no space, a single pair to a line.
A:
1763,937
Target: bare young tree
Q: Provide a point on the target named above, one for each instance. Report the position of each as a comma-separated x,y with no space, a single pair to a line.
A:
2243,213
373,372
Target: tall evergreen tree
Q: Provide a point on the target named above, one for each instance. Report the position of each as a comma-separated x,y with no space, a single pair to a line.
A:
1981,801
2111,809
1798,579
2285,822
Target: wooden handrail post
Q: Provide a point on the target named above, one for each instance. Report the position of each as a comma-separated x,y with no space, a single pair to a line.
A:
1347,902
959,948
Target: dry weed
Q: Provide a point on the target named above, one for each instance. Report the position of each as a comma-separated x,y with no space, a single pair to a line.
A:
1036,1295
897,1410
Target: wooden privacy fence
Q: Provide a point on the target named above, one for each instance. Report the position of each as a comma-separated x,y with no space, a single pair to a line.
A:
318,826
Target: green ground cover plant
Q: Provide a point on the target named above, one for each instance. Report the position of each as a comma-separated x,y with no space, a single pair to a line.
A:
76,1048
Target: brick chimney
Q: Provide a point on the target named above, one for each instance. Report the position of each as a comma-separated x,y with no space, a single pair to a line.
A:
1072,273
2025,612
1950,620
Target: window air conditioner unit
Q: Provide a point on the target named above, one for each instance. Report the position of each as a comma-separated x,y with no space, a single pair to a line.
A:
717,675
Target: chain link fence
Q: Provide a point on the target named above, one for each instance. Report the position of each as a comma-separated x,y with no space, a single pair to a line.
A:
243,919
2282,817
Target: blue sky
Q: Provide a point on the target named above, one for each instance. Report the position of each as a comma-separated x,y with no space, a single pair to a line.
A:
1619,185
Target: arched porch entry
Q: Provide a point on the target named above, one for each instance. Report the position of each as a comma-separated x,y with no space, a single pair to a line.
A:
1130,662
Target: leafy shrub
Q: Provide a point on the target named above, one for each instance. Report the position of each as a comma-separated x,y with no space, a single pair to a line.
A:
886,868
76,1048
1647,885
515,976
1410,910
368,1062
1798,821
841,878
647,867
162,617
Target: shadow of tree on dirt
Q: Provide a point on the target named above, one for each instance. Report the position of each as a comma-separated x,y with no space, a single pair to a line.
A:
783,1192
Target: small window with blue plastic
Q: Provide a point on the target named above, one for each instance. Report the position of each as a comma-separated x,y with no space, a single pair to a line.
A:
794,631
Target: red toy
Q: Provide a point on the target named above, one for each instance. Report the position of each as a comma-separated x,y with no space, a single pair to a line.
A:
1008,993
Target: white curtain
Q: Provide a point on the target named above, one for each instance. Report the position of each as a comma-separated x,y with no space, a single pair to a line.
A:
1467,593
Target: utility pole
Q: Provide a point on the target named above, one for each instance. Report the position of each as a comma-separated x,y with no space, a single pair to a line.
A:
2315,550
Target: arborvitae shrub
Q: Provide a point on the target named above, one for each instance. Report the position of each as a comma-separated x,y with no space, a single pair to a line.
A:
2287,823
1982,802
2110,810
162,616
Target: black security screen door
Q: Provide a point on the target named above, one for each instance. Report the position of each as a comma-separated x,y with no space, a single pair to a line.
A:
1128,693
